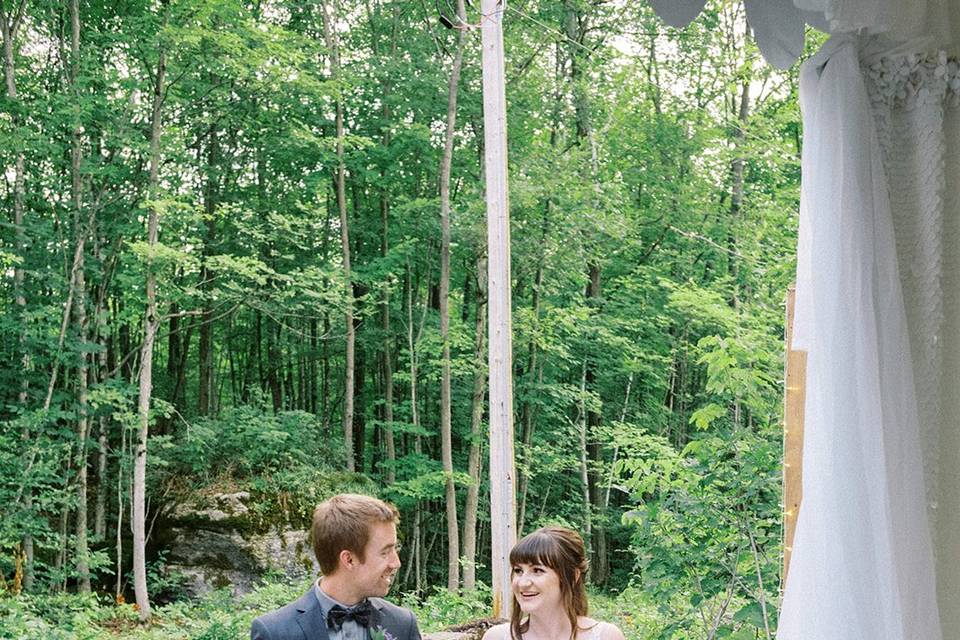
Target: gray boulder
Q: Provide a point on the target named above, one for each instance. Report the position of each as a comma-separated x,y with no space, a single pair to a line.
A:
215,541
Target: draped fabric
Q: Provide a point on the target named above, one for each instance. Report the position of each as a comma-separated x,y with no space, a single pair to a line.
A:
863,563
876,552
877,543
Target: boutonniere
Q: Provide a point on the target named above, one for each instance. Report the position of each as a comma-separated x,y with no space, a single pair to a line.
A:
379,633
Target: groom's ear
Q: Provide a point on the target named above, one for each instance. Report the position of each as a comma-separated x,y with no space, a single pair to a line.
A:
347,559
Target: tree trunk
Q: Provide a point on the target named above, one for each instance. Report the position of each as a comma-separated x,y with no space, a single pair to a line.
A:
736,189
81,547
120,509
330,37
474,467
325,346
412,341
325,378
206,348
273,365
582,436
412,350
9,26
150,323
386,351
417,545
616,448
600,569
312,369
102,332
526,412
577,25
359,412
180,385
453,534
123,337
386,362
61,562
174,342
387,371
303,370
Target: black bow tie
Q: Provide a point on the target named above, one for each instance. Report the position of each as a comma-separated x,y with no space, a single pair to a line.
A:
359,614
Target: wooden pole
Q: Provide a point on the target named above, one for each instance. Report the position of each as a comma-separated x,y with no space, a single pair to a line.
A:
794,396
502,473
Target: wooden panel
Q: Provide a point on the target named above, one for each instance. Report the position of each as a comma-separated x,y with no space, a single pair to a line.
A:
794,395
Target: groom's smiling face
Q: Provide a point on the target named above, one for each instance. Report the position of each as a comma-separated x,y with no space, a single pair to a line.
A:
375,574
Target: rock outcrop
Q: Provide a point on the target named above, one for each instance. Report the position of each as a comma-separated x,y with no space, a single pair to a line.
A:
215,541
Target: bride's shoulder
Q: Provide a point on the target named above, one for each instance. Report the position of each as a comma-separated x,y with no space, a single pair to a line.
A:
599,630
498,632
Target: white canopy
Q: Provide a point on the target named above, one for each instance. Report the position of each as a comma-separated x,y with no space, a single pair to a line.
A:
877,545
778,25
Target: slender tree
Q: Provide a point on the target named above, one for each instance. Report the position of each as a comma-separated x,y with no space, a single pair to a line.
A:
10,21
151,322
474,457
349,373
81,232
453,534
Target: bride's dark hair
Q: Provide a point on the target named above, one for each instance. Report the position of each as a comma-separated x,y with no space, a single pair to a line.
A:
562,550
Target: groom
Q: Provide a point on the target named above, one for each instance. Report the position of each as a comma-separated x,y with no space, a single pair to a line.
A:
355,541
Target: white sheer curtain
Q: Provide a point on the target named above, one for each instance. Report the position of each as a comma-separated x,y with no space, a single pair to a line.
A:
876,554
863,564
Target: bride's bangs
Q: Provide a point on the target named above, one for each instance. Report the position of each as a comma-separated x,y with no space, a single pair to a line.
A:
536,548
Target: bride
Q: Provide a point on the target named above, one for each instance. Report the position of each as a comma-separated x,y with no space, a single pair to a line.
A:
549,596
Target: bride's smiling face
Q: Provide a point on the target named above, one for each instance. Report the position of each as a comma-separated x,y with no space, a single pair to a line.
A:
536,587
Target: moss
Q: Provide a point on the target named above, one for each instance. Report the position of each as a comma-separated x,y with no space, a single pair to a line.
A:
278,501
220,581
288,500
305,555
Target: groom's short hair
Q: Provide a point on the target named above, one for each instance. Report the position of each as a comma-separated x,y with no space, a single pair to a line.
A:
343,522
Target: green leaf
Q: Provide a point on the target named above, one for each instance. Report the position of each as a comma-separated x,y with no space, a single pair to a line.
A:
703,417
751,613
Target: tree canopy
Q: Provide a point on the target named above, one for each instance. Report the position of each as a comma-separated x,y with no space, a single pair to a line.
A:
309,193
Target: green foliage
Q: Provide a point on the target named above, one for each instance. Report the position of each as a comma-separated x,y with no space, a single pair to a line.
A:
442,609
706,521
282,459
218,616
61,617
622,151
631,609
246,440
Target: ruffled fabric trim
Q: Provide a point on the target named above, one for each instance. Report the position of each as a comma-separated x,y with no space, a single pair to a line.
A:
899,82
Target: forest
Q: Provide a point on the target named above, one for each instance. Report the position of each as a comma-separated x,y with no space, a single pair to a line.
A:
243,253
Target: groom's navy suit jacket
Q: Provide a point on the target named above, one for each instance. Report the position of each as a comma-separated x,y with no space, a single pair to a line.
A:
303,620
